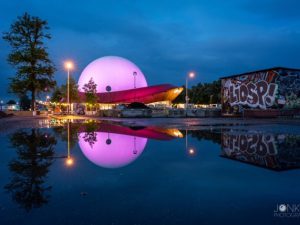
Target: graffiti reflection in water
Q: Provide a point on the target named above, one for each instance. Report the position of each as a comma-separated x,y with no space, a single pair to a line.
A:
273,151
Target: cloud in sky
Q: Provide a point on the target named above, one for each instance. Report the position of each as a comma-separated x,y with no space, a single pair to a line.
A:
166,38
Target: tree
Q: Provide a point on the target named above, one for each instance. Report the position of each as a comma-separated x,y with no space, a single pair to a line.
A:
90,90
57,95
34,69
11,102
207,93
62,133
24,102
90,134
74,97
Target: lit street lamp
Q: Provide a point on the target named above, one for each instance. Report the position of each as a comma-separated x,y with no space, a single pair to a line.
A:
190,75
68,65
190,151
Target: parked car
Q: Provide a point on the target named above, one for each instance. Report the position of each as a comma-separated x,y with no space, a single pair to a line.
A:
80,110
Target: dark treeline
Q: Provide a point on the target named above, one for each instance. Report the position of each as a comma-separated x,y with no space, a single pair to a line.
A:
209,135
203,93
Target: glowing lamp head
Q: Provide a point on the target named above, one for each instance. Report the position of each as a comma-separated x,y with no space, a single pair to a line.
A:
69,65
69,162
191,74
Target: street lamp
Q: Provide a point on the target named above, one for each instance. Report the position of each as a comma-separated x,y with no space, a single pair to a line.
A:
134,83
68,66
189,76
134,77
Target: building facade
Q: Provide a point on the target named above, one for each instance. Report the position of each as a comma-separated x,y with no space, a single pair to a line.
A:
260,91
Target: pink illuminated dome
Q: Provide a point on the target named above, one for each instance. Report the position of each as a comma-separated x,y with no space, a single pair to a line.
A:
112,73
110,150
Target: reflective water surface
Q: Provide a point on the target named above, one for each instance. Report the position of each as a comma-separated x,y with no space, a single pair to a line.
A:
104,173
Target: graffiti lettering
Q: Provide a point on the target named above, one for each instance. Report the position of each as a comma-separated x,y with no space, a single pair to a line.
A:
258,144
260,94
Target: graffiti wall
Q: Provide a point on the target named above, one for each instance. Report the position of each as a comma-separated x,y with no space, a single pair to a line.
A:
276,88
273,151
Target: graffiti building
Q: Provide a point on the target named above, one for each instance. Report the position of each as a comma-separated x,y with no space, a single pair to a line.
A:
270,91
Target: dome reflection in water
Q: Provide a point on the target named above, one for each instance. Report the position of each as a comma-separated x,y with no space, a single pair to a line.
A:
110,150
115,146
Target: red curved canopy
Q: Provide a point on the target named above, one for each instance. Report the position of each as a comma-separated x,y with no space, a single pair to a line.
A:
157,93
151,132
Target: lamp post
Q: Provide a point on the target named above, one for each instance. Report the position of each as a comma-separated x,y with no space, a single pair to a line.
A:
108,89
210,100
134,77
68,65
134,83
134,145
190,75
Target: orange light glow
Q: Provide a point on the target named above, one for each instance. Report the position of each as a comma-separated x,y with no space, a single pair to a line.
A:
177,133
70,162
69,65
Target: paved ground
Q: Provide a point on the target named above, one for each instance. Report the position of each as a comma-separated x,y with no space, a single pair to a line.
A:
10,123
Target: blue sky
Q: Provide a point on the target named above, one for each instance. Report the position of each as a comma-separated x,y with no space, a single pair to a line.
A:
165,39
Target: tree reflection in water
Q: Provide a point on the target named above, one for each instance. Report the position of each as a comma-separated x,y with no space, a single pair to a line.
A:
89,128
35,151
90,134
61,132
209,135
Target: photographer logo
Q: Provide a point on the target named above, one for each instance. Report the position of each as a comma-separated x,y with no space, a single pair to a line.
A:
287,211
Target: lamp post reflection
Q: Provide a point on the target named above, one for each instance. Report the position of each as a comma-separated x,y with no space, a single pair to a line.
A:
69,161
190,151
108,140
134,145
134,83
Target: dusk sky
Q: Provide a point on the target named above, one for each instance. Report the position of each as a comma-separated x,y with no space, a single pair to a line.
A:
165,39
